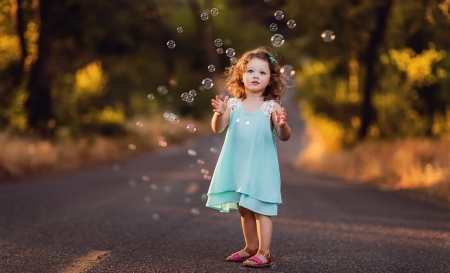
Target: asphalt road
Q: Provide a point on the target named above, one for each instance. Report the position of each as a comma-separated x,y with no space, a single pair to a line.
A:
149,215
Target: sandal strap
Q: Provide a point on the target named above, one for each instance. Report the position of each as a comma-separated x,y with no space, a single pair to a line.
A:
235,256
256,259
251,252
266,254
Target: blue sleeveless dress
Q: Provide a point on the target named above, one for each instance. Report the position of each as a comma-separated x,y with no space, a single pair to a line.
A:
247,171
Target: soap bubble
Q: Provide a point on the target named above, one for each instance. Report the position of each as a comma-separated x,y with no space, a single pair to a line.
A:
191,128
277,40
273,27
207,83
139,124
193,93
187,200
179,29
211,68
278,15
213,150
155,216
132,147
291,24
233,60
147,199
171,44
219,50
151,96
214,12
184,96
218,42
145,178
230,52
162,90
173,82
190,98
200,161
195,211
287,70
192,152
204,16
328,36
154,187
132,183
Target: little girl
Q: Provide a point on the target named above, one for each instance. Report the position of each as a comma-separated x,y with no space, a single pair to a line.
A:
247,174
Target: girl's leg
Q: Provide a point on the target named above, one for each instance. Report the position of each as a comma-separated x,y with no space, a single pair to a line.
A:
264,226
249,228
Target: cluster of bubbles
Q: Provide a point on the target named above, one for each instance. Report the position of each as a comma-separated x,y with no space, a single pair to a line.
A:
171,117
204,16
189,97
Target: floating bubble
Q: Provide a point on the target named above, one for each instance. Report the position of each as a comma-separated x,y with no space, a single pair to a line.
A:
167,189
193,93
187,200
173,82
190,98
132,147
201,88
195,211
213,150
233,60
191,128
291,24
287,70
179,29
166,114
184,96
175,119
192,152
200,161
162,90
328,36
266,1
273,27
218,42
204,16
155,216
132,183
147,199
278,15
151,96
116,167
211,68
214,12
162,143
219,50
171,117
204,196
154,187
277,40
207,83
139,124
145,178
230,52
171,44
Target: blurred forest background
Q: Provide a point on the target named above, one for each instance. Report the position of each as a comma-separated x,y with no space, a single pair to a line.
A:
76,77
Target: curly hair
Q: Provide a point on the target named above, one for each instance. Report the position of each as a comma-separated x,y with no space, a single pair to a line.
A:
234,74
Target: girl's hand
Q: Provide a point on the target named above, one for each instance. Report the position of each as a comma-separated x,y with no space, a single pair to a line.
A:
281,117
219,105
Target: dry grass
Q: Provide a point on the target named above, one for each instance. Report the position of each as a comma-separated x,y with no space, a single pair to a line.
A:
27,157
413,164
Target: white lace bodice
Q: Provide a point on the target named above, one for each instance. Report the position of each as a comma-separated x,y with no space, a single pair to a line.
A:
267,107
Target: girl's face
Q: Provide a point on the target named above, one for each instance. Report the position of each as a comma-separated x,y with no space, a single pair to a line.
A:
256,76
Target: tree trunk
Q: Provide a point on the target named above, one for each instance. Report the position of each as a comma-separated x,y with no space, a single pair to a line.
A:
39,103
371,59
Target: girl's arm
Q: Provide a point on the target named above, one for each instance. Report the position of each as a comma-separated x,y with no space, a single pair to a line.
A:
279,121
221,114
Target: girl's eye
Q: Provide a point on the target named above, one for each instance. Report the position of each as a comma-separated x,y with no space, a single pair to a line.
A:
263,73
250,71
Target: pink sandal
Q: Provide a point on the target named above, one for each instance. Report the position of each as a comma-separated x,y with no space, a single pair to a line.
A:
236,258
259,263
